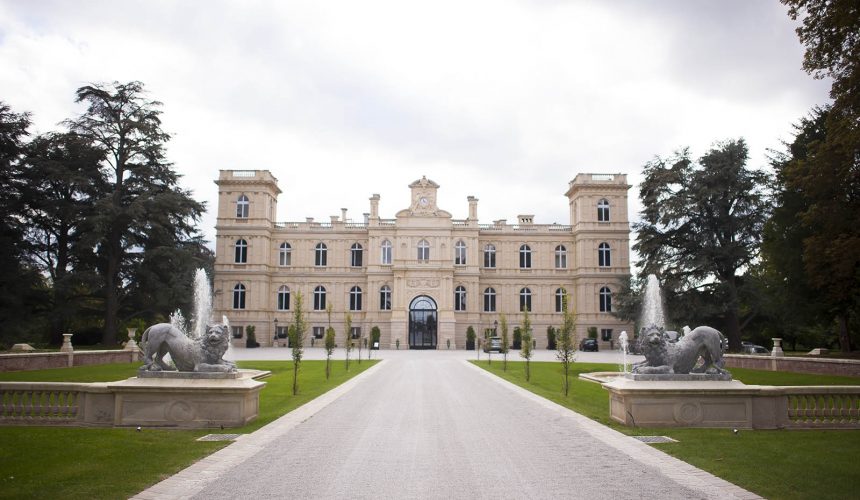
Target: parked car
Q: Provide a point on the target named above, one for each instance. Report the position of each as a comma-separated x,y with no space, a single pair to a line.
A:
493,344
588,345
754,349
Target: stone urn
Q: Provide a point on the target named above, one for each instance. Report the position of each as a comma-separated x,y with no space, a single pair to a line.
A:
131,345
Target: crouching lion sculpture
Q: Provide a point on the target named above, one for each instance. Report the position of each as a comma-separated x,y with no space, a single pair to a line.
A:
681,357
201,355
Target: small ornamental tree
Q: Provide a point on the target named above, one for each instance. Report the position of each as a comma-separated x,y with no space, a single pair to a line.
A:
360,339
330,342
566,344
526,350
348,337
297,337
503,323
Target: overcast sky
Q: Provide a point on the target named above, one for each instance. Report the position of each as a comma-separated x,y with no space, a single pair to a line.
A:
503,100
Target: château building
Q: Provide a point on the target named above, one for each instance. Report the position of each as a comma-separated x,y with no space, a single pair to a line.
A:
422,277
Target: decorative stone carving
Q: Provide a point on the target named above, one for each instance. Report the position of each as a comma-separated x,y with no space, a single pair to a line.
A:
201,355
681,357
423,283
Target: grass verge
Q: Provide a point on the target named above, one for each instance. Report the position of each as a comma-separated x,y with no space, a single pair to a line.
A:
774,464
73,462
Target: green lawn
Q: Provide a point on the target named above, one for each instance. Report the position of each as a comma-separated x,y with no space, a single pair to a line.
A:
773,464
69,462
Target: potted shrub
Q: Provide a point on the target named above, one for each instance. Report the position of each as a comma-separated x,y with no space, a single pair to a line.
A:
518,339
251,340
550,338
470,339
374,337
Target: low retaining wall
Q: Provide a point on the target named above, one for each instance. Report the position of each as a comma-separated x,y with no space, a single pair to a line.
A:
44,360
817,366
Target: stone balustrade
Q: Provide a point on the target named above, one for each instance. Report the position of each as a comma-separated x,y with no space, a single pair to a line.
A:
831,407
55,403
45,360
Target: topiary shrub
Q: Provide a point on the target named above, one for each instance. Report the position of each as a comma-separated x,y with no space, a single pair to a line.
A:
518,339
550,338
374,337
251,340
470,339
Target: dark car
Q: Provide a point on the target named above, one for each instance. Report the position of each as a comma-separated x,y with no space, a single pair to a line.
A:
588,345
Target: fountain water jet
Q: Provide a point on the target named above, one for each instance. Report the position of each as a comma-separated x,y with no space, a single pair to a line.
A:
652,304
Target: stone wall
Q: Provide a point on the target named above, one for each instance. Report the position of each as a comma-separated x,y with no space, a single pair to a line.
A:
817,366
45,360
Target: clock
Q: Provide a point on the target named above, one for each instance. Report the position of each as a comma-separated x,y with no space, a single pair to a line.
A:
423,201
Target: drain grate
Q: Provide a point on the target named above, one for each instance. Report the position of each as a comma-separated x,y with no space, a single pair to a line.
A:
219,437
655,439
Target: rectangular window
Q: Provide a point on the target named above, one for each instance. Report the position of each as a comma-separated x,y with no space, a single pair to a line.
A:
282,332
355,332
319,332
606,334
237,331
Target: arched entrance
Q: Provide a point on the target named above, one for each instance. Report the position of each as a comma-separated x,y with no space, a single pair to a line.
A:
422,323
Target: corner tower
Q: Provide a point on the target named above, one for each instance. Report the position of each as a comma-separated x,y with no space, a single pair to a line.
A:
601,234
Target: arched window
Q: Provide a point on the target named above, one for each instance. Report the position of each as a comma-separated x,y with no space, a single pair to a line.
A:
603,210
490,256
241,254
355,254
284,298
239,296
355,299
560,300
560,257
386,252
285,254
489,300
525,300
525,257
460,298
385,298
460,253
605,300
242,207
423,250
319,298
603,257
320,254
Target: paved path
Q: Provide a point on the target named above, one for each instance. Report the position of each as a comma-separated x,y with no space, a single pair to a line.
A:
438,427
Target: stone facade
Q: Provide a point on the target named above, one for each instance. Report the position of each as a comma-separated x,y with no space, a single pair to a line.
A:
422,277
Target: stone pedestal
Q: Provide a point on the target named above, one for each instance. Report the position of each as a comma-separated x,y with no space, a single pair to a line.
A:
131,345
187,399
694,404
777,348
67,343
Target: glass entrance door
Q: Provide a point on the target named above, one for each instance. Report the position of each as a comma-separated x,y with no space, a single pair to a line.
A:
422,323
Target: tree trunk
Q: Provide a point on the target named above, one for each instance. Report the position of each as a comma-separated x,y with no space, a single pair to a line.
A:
112,288
733,324
844,339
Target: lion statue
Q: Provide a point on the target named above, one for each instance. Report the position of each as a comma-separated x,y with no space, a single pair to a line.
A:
662,356
189,355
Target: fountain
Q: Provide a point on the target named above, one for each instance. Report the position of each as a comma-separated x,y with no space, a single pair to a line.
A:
185,380
682,382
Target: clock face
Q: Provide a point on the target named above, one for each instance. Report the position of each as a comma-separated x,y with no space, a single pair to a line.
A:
423,201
